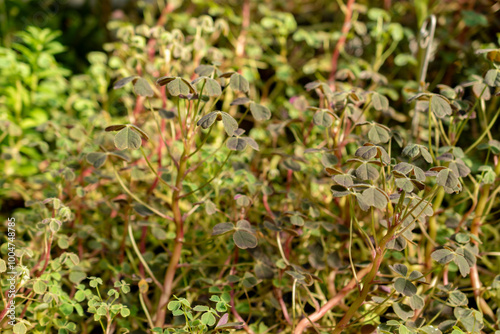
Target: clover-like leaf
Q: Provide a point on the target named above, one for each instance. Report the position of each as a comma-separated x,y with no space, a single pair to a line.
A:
367,152
417,302
378,135
230,124
402,311
443,256
222,228
239,83
180,86
260,112
375,197
97,159
210,87
142,88
244,237
448,180
400,269
236,144
127,138
458,298
323,118
439,106
380,102
462,264
366,171
122,82
206,121
404,286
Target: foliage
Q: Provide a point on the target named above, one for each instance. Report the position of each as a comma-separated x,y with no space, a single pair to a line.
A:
212,172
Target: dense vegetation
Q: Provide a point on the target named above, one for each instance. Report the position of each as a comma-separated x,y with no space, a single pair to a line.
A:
253,167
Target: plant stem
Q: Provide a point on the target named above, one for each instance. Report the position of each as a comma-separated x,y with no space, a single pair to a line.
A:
179,240
368,282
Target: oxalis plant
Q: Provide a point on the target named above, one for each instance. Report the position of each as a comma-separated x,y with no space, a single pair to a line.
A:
387,190
183,130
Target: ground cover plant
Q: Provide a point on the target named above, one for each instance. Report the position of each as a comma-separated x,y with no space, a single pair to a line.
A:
253,169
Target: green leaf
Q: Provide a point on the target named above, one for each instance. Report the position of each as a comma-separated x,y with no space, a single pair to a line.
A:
400,269
127,138
378,135
474,19
366,152
174,305
260,112
439,106
322,118
211,86
97,159
66,309
404,286
230,124
417,302
375,197
222,228
3,266
39,287
492,78
366,171
142,88
402,311
244,236
443,256
236,144
122,82
448,180
206,121
124,312
208,319
80,296
19,328
462,264
239,83
380,102
339,191
201,308
179,86
458,298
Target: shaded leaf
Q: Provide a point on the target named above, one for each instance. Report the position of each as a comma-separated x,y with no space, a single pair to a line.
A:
260,112
239,83
127,138
142,88
404,286
222,228
439,106
122,82
230,124
206,121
